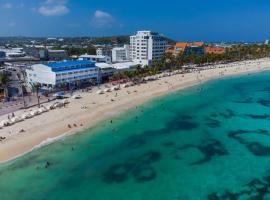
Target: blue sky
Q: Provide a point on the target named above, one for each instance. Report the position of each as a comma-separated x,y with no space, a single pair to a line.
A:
200,20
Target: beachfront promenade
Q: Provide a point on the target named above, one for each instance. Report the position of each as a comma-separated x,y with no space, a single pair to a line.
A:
95,106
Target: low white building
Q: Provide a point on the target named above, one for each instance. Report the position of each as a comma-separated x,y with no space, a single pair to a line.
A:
96,58
104,51
13,52
68,72
146,46
125,66
120,54
106,70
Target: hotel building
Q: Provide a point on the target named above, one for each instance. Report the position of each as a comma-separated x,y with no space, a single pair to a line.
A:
68,72
146,46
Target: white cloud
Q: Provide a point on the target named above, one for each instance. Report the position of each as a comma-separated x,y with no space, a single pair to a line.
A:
56,1
7,5
53,8
102,19
102,14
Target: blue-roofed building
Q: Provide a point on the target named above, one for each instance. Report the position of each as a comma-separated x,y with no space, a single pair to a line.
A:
2,55
55,74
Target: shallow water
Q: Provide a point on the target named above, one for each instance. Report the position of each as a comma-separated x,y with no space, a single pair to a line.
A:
207,142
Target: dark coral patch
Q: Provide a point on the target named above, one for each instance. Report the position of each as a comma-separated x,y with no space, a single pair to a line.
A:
186,117
255,189
227,114
183,125
212,123
139,168
144,174
214,115
149,158
254,147
168,144
258,116
209,148
134,142
116,174
258,149
264,102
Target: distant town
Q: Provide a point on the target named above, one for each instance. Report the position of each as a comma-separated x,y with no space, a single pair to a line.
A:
35,69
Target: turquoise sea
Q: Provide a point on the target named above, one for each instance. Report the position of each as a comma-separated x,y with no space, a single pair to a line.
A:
207,142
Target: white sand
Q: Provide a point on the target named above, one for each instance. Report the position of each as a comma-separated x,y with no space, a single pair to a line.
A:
99,107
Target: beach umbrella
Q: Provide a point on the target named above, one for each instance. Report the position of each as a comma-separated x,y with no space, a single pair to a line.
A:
114,88
125,86
26,116
34,113
16,119
3,123
100,92
41,110
56,105
65,101
6,122
76,96
107,90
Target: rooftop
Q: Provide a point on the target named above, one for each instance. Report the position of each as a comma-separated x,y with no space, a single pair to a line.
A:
55,51
92,56
186,44
70,63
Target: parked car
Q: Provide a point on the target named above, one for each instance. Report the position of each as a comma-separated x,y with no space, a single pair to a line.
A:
59,95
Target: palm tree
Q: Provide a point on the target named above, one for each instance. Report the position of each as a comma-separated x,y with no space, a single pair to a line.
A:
63,86
36,87
23,89
4,82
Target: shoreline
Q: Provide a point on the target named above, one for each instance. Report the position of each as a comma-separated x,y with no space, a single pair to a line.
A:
47,128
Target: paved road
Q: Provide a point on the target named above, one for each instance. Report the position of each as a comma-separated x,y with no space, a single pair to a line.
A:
17,104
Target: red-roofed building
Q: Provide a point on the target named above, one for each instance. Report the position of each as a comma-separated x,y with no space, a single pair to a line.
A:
215,50
186,48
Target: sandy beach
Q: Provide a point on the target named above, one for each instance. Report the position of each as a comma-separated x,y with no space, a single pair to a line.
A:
92,107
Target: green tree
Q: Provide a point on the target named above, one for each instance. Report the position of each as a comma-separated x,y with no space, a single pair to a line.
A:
4,83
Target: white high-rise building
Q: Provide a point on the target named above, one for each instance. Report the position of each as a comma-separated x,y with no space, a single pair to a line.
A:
120,54
146,46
